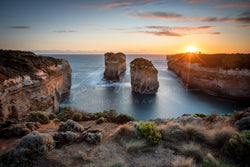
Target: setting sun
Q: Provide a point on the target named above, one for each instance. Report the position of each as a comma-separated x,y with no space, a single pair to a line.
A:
191,49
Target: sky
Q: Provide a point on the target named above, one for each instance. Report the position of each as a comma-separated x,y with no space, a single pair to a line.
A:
129,26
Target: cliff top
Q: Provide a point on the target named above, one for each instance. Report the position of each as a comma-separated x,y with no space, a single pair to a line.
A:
110,56
141,63
225,61
14,63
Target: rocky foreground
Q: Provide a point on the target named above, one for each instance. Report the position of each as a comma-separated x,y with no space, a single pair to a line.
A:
29,82
108,139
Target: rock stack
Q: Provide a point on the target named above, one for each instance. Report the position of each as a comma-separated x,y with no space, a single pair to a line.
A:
115,65
143,76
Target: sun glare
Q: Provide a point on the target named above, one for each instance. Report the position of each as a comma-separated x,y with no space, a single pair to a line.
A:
191,49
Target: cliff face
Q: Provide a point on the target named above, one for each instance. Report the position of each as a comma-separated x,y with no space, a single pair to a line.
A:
115,65
38,87
144,78
216,81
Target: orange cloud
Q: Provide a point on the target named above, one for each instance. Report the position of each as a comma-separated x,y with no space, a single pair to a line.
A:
235,5
180,17
64,31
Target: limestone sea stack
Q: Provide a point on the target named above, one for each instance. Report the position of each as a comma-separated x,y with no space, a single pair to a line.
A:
115,65
144,78
29,83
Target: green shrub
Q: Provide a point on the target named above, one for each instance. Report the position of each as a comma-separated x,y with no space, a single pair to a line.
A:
37,116
123,118
117,164
148,130
239,145
200,115
110,115
65,114
77,117
210,161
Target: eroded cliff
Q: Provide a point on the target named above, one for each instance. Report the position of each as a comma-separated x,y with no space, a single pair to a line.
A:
115,65
228,83
29,82
144,78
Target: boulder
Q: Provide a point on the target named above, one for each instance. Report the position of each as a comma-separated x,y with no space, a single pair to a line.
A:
70,125
144,78
243,123
100,120
115,65
14,130
94,136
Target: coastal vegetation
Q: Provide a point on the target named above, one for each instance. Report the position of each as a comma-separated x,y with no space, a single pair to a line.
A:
191,140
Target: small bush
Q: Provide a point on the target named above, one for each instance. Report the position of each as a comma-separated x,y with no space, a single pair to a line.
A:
77,117
220,136
194,151
210,161
110,115
148,130
183,162
117,164
37,116
200,115
212,117
65,114
123,118
239,145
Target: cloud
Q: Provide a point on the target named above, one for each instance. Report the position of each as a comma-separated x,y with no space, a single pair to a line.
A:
180,17
160,33
243,26
116,4
235,5
20,27
122,3
158,15
64,31
169,31
166,28
198,1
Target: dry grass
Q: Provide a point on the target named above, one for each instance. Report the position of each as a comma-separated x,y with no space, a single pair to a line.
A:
184,162
134,145
194,151
194,133
218,136
124,131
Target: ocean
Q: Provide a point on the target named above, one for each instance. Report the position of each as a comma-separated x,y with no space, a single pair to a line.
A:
89,92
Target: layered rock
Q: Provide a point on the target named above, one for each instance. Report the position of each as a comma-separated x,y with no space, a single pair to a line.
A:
232,83
144,78
115,65
29,82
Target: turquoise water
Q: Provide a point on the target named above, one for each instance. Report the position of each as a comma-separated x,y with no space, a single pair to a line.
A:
91,93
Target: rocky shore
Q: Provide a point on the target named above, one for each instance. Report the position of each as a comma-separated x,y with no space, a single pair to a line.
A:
115,66
228,83
144,78
29,83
